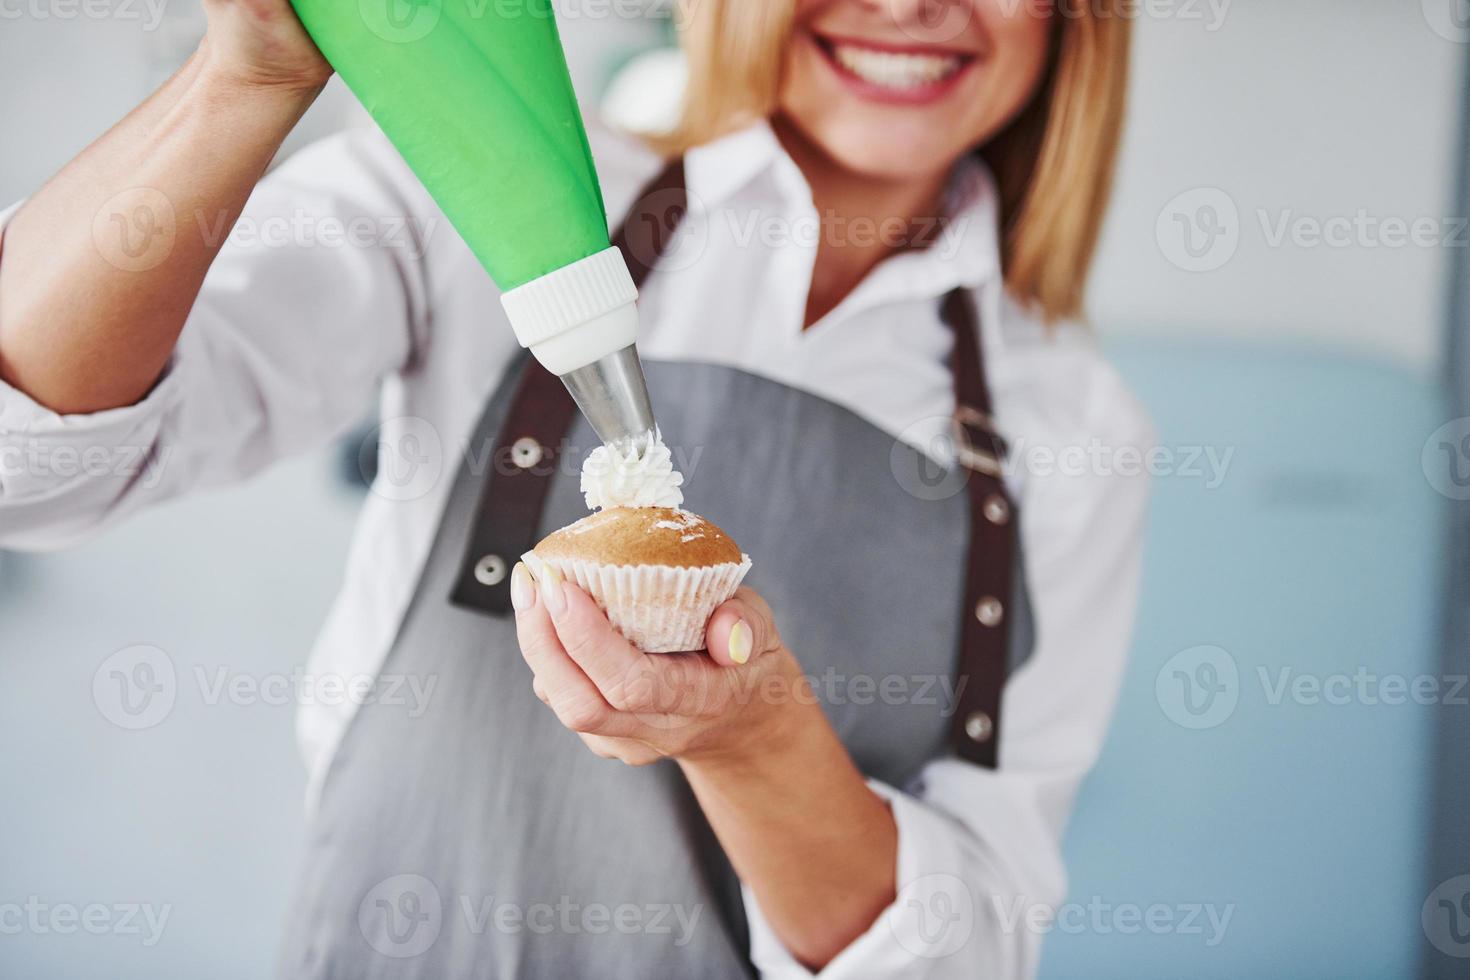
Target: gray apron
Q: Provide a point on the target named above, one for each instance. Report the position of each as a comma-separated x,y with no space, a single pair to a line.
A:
477,837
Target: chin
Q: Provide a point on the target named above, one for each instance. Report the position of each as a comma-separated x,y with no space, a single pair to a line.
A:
881,149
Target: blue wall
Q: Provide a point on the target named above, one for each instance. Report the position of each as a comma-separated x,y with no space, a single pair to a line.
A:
1318,555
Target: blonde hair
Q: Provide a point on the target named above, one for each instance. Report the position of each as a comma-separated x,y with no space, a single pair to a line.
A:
1053,163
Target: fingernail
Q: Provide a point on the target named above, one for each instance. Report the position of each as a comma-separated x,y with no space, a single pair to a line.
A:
551,590
522,589
741,641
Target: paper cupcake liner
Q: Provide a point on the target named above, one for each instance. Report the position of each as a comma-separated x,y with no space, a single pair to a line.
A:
659,608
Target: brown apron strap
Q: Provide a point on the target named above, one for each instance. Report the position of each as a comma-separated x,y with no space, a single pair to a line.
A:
529,444
990,578
532,439
652,220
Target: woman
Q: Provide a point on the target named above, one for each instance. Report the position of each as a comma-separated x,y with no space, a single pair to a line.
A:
890,215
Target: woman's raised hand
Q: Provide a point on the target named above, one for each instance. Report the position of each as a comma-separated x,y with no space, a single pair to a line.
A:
104,263
639,707
261,42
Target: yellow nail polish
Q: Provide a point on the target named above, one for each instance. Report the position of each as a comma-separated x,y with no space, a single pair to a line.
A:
522,589
551,590
741,642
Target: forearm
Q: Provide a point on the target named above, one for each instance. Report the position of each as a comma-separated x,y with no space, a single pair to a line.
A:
805,833
98,271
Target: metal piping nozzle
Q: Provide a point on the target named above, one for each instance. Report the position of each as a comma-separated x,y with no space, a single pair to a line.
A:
613,395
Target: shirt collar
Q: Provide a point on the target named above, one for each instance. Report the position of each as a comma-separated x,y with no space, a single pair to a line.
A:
749,165
719,170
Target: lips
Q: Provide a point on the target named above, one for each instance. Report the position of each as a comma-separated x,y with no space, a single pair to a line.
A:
904,72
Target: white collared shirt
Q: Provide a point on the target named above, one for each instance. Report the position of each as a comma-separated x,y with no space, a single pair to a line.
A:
343,274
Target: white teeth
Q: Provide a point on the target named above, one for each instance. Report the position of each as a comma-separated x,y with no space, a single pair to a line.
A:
896,71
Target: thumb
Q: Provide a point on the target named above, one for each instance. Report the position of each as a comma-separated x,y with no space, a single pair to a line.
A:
741,630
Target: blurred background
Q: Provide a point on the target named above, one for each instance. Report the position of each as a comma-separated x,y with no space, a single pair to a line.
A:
1283,282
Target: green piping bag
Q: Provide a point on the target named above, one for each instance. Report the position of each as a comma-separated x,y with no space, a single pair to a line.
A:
476,96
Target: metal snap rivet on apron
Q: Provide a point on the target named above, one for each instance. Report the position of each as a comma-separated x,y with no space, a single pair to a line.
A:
526,452
996,510
979,727
989,611
490,570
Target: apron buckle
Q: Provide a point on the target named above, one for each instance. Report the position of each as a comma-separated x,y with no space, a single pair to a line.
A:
972,426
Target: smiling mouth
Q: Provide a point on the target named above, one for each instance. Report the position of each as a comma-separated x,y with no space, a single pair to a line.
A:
897,70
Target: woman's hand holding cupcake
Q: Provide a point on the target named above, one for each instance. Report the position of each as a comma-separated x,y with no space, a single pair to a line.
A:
770,774
644,644
639,707
613,611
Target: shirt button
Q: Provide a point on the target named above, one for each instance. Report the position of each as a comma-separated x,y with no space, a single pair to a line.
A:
526,452
490,570
989,611
979,726
996,510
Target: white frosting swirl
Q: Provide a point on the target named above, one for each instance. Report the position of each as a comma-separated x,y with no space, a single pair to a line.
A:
641,476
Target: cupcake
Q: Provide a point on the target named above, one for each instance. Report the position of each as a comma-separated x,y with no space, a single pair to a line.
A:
658,571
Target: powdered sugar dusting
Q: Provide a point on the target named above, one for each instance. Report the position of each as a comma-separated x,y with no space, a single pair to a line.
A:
691,525
590,523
